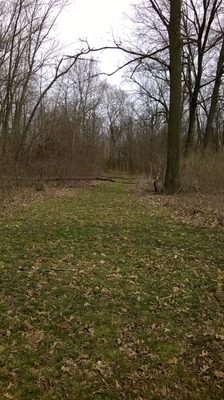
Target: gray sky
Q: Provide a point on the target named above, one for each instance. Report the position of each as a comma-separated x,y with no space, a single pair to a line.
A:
96,20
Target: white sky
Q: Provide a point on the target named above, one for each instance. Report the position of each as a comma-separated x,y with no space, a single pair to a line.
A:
96,20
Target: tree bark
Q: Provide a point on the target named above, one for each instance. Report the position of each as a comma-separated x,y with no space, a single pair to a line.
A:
192,112
172,178
214,99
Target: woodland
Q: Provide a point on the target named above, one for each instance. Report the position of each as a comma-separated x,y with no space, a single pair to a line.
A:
111,207
59,117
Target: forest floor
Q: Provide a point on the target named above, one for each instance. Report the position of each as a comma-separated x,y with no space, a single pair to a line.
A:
108,294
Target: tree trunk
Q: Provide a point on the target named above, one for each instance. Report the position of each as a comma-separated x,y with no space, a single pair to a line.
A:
172,178
214,99
193,108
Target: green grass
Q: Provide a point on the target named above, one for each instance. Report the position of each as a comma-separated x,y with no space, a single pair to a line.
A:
106,297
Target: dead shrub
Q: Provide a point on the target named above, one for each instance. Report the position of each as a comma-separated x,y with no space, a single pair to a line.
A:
144,184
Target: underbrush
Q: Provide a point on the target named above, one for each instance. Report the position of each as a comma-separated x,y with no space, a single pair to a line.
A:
199,173
203,172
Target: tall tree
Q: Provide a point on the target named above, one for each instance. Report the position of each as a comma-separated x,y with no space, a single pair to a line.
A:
200,22
214,98
167,13
172,178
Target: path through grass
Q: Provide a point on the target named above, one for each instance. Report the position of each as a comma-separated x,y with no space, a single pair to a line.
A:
105,296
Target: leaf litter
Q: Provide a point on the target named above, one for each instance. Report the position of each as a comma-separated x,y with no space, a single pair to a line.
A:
108,295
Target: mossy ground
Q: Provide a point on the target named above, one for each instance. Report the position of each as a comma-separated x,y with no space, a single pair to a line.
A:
107,296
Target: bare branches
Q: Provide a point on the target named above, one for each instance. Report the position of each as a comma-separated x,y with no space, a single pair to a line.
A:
158,9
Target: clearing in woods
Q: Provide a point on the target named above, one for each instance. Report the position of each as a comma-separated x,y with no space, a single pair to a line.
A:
108,295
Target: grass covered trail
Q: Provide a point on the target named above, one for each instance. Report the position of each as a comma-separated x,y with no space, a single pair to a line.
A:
105,295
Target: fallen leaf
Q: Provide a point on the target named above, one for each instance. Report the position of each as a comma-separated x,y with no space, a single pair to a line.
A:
209,331
173,360
204,353
219,374
204,368
221,337
65,369
34,371
100,364
9,396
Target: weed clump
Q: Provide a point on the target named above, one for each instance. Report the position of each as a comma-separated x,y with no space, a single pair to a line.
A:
40,186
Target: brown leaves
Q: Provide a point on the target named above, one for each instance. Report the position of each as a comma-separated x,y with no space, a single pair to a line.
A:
103,368
69,366
173,361
219,374
209,330
111,299
34,338
205,210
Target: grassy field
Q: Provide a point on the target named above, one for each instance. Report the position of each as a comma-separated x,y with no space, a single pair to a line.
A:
107,295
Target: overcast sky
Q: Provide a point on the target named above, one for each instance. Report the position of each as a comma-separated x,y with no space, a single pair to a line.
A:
96,20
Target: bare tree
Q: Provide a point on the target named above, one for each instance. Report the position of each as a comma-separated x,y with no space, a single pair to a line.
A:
169,17
68,138
200,36
26,50
31,64
214,98
116,119
172,178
